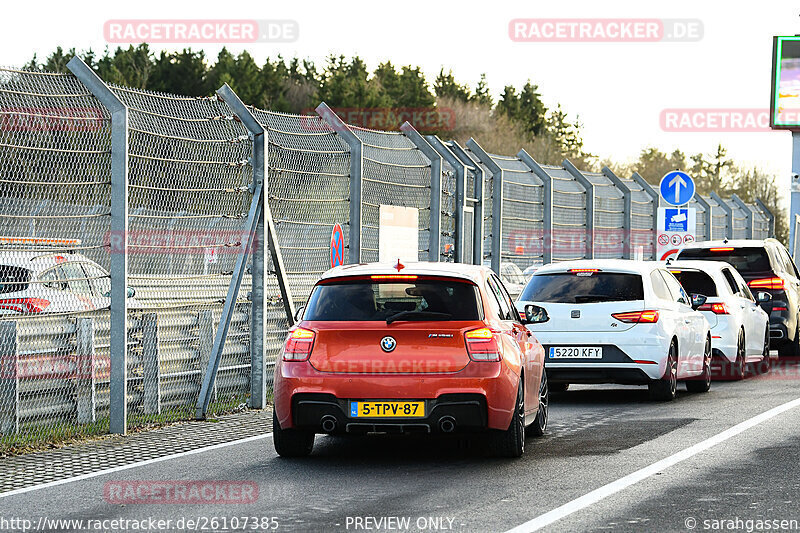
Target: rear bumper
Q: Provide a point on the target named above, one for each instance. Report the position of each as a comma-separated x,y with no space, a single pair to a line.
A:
466,412
623,375
480,396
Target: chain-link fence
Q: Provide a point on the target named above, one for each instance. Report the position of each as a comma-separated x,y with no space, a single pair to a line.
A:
156,198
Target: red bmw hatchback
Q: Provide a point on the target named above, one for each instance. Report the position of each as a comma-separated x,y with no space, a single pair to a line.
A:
429,348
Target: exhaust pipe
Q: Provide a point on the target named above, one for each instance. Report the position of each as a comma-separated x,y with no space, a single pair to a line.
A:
328,423
447,424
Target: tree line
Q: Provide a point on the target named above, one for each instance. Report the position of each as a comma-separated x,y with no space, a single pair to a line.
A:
518,119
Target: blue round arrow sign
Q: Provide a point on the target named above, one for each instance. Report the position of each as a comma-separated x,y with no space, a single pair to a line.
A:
677,188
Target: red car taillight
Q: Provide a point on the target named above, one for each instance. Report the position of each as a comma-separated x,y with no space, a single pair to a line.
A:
25,305
299,344
717,309
637,317
774,284
482,345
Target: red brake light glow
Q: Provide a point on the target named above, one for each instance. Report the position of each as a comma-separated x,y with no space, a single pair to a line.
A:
775,284
393,276
576,270
721,249
717,309
481,345
299,344
637,317
25,305
780,308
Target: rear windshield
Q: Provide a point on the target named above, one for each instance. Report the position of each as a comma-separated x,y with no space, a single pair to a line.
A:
13,279
367,300
745,260
696,282
582,287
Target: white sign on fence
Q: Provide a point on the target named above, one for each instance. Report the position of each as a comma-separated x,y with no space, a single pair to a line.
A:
398,236
676,228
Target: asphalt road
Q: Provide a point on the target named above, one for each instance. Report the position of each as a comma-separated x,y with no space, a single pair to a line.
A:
598,436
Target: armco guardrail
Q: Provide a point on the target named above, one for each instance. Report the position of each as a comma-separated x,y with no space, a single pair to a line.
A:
219,215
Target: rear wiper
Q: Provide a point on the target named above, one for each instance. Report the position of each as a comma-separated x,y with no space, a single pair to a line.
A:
422,314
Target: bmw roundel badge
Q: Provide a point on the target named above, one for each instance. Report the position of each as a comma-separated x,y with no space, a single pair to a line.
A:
388,344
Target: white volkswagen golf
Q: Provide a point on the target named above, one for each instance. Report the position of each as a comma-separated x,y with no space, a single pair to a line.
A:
739,327
618,321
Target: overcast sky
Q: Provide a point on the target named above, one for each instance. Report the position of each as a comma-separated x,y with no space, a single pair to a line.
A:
618,89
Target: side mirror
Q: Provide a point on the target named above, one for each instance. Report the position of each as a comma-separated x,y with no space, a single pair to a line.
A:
763,297
698,300
298,315
130,293
535,314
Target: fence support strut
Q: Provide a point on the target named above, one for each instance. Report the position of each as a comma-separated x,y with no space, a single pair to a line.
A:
589,187
434,241
497,201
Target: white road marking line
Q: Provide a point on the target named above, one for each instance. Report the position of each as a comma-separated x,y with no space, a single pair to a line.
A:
622,483
132,465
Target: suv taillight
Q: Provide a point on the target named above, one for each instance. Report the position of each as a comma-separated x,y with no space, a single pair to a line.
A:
773,284
482,345
25,305
637,317
299,344
717,309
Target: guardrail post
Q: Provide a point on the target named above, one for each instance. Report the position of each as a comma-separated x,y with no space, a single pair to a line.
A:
627,220
589,187
497,201
118,379
460,169
9,378
356,168
728,214
477,215
85,384
150,368
748,214
547,204
205,340
434,242
770,217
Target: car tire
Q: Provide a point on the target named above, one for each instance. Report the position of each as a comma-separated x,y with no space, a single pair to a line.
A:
540,424
291,442
665,389
738,367
765,365
703,382
791,348
511,442
558,387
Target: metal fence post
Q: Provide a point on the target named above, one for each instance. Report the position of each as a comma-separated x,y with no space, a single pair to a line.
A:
770,217
86,391
118,380
748,214
477,216
728,214
547,204
708,213
9,378
646,187
627,220
257,206
434,244
205,340
589,187
461,194
356,168
497,201
151,370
